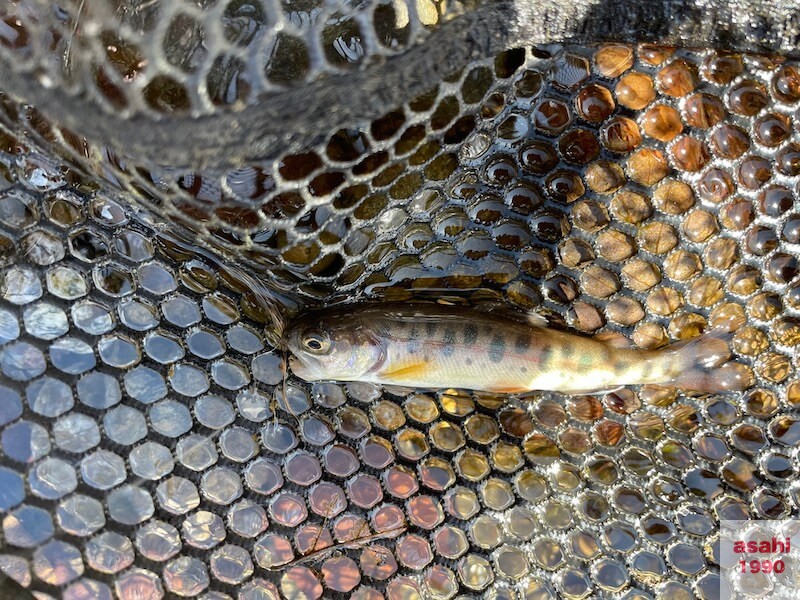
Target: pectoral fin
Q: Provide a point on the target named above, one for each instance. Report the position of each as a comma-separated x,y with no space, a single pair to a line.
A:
403,373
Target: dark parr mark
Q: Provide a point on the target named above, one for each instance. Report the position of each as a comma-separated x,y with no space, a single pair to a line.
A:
470,334
522,342
468,361
430,328
413,344
497,348
449,341
546,353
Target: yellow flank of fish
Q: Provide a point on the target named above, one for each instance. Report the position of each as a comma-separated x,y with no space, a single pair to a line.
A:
436,347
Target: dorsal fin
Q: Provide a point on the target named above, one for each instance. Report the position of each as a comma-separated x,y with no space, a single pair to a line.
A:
536,320
503,310
614,339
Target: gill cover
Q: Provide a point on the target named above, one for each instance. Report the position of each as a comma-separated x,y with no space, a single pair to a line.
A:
333,347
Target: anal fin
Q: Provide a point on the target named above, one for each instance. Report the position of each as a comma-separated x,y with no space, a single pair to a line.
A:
509,390
592,392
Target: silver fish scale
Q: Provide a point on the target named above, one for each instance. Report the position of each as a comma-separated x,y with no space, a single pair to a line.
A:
149,448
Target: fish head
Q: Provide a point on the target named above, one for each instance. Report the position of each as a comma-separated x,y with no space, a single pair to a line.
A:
333,348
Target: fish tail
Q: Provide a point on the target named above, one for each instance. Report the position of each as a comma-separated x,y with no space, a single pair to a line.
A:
702,364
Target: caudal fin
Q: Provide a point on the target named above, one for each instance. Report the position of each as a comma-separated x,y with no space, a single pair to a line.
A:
703,365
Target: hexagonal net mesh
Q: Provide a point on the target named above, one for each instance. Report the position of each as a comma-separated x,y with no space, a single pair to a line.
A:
177,56
220,82
149,447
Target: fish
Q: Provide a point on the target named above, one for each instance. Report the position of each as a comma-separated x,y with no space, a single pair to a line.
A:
435,346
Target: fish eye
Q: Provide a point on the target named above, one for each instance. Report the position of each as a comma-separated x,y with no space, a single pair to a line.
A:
316,342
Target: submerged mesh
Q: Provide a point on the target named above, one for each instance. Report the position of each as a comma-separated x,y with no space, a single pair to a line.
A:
149,447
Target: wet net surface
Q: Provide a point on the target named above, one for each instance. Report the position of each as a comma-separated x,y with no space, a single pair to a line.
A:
149,449
154,57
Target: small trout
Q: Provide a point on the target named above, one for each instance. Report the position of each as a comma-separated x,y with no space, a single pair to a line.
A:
434,346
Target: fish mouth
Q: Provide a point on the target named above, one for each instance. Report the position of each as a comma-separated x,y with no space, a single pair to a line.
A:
300,369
